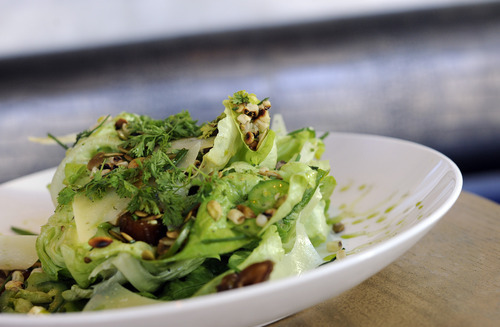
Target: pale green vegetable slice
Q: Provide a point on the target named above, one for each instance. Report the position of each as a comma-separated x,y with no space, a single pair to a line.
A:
301,258
17,252
90,214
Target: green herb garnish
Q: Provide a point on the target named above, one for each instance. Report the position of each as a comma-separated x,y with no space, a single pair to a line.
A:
21,231
87,133
148,135
57,141
240,98
262,101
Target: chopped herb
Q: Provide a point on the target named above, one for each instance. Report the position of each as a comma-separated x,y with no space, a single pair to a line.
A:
87,133
21,231
262,101
324,136
148,135
240,98
330,258
210,129
66,195
308,129
58,141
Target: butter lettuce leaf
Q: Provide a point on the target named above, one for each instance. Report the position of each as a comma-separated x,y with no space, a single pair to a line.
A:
211,236
229,144
300,145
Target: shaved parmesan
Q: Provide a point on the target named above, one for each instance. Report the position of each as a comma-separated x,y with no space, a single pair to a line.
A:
90,214
193,145
17,252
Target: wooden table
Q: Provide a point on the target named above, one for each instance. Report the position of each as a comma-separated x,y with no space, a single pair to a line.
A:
451,277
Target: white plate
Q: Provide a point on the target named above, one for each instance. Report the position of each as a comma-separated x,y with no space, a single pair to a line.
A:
390,193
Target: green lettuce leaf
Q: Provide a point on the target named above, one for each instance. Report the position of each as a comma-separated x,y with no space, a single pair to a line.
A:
62,254
269,248
229,144
185,287
110,294
302,257
317,228
300,145
104,138
211,237
145,276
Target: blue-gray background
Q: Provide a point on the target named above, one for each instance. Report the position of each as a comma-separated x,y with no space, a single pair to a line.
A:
429,75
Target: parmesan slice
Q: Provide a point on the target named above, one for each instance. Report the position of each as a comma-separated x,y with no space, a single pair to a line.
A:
90,214
17,252
193,145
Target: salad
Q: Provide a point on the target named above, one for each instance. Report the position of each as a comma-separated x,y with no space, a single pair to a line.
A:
160,210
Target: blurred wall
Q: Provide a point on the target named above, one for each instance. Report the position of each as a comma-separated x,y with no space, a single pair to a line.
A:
430,76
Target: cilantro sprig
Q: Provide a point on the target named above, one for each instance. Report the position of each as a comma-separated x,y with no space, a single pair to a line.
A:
240,98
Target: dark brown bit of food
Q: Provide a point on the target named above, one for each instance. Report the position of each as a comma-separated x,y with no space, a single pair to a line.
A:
117,235
270,212
249,138
249,113
280,164
117,159
106,161
262,112
193,189
87,260
145,230
253,274
338,227
227,283
100,241
120,122
164,245
96,160
253,145
27,272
